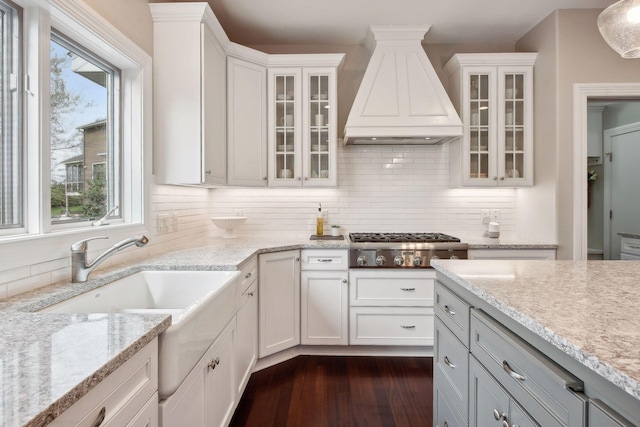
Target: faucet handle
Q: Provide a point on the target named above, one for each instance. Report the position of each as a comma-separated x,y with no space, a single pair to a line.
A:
81,245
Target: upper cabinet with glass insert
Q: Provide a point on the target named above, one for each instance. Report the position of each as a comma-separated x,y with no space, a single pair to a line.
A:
302,131
493,94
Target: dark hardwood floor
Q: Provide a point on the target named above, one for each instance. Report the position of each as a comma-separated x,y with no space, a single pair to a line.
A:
337,391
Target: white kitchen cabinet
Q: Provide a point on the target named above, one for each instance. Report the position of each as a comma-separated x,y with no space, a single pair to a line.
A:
324,298
126,397
247,122
302,120
594,134
279,302
207,396
540,254
493,94
247,327
629,248
391,307
190,104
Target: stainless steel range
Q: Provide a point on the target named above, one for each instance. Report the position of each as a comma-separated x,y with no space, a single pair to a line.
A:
402,250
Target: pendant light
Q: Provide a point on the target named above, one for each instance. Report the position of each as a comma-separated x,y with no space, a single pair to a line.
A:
619,25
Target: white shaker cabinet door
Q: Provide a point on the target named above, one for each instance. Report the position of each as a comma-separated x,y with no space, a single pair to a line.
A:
325,307
279,289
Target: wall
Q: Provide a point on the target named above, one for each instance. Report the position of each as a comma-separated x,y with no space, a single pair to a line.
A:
379,189
536,206
578,55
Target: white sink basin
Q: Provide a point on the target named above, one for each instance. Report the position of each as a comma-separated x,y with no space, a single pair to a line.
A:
200,304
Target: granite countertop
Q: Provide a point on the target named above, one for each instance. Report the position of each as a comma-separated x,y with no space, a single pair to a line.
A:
505,242
630,235
602,331
49,361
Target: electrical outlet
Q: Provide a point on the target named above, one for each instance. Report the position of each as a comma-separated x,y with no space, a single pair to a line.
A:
163,222
325,216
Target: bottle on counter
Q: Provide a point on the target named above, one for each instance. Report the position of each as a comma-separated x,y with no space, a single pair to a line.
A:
319,222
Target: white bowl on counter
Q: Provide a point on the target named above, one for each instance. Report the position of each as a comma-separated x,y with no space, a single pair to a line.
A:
228,224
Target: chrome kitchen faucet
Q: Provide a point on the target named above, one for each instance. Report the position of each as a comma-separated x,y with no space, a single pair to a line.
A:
80,268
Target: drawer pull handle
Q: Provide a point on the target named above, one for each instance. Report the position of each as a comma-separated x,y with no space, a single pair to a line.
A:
325,259
449,311
100,419
500,416
634,246
250,294
511,372
247,276
408,289
448,363
408,326
215,362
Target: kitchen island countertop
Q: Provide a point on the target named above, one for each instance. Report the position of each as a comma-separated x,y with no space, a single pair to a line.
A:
49,361
584,309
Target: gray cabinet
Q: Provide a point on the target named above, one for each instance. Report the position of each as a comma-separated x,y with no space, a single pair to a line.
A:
491,405
602,416
486,375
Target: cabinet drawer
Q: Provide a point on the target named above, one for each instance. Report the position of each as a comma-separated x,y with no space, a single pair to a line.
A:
445,412
122,394
391,326
451,366
630,246
602,416
453,312
249,274
536,382
396,289
324,259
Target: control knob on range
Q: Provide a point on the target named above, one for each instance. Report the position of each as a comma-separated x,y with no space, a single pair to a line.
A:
398,260
417,260
381,260
361,261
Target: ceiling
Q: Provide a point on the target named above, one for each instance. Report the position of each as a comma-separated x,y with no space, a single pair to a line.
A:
273,22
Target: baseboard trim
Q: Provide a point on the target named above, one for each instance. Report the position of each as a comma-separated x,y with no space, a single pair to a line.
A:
346,350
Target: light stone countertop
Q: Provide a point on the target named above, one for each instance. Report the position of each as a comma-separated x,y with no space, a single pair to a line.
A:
630,235
505,241
588,310
49,361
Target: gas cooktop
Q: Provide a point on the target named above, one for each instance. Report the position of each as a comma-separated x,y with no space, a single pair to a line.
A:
401,238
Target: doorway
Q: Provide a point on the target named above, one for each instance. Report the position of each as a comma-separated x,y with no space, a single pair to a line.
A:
582,94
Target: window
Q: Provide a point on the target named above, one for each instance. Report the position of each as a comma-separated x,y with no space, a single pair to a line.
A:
83,130
70,126
11,154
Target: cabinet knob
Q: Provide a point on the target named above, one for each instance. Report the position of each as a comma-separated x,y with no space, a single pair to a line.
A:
495,178
247,276
502,178
100,418
264,178
208,172
299,179
298,259
344,280
306,178
250,294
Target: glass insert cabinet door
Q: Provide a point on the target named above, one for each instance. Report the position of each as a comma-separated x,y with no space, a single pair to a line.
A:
481,114
285,124
512,165
317,141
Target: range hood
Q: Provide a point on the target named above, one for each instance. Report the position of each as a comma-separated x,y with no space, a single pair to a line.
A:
401,100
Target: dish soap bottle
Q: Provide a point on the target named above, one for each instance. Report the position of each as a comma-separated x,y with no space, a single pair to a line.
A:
319,221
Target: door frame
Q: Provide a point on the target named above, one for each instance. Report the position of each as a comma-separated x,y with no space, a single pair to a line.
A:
582,92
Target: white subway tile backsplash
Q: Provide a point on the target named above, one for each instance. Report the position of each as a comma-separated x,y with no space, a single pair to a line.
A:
385,188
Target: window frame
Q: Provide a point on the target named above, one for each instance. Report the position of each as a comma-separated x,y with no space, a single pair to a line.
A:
16,113
78,21
113,129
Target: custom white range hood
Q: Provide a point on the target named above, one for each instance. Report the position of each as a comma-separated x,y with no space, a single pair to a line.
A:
401,100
